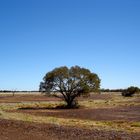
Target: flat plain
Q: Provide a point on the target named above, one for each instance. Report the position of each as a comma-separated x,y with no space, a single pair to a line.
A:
105,116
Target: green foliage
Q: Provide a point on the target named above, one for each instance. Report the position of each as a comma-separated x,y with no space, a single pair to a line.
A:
130,91
70,83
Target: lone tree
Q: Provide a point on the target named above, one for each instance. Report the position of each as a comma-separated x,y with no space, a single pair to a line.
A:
70,83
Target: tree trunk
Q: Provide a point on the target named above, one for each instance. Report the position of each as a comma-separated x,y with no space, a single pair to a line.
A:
71,103
70,100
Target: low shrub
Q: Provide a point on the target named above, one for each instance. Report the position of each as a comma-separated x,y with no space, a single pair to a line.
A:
130,91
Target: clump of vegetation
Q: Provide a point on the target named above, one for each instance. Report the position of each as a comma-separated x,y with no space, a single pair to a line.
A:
130,91
69,83
41,105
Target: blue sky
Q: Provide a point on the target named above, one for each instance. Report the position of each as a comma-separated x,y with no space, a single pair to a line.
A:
38,35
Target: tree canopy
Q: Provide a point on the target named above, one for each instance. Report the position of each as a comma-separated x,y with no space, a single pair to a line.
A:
70,83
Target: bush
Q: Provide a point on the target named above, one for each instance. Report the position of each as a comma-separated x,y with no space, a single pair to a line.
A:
129,92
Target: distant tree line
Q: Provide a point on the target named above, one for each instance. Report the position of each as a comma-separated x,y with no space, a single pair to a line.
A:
120,90
129,92
112,90
17,91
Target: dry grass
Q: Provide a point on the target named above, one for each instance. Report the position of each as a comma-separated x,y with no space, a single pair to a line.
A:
117,100
107,125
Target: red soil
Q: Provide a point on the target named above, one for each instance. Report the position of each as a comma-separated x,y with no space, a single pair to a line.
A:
18,130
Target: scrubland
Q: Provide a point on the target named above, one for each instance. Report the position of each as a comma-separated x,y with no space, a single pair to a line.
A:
105,116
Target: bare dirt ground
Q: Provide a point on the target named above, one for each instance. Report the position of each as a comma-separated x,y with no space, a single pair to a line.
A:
9,98
108,108
130,113
20,97
18,130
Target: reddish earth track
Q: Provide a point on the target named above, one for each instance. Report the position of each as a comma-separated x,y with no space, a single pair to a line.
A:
131,113
18,130
30,98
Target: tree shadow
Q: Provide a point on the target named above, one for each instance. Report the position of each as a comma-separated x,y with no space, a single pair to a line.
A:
59,107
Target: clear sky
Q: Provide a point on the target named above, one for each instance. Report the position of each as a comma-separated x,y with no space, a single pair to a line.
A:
38,35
